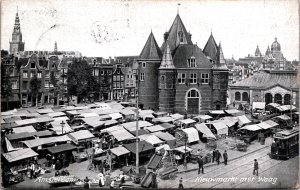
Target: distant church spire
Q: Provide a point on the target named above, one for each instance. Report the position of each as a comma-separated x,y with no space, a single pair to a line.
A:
167,61
16,44
55,46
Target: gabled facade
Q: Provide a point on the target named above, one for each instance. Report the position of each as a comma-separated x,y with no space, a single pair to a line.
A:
183,78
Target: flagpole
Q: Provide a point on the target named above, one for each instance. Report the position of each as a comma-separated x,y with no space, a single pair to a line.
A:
137,123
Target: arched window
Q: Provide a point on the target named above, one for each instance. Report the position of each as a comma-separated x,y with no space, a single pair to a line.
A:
237,96
287,99
193,94
278,99
180,34
245,96
268,98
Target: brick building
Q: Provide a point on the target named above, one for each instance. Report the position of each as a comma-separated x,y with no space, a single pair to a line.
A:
179,76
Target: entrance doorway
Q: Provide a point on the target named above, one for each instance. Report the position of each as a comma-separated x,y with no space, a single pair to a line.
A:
193,101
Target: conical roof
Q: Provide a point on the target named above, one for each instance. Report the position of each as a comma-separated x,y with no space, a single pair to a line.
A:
268,51
167,61
257,51
176,31
151,49
220,60
211,48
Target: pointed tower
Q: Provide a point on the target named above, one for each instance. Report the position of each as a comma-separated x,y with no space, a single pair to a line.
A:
177,35
268,51
257,52
16,45
211,48
167,81
55,46
149,62
220,81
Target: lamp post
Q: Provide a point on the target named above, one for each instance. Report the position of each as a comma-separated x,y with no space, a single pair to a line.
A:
62,126
137,122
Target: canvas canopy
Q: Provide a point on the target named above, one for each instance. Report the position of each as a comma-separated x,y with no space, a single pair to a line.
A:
253,127
119,151
216,112
157,114
143,147
264,125
274,105
43,133
44,119
192,134
28,129
221,128
229,121
202,128
16,136
233,112
19,155
163,119
127,112
9,146
140,132
155,128
104,117
177,116
121,134
26,122
271,123
131,126
93,122
113,128
147,116
286,108
152,139
106,111
73,112
61,148
56,114
284,117
187,121
44,111
81,135
183,149
61,118
110,122
85,115
203,117
11,119
145,112
115,116
167,125
243,120
58,129
258,105
42,141
165,136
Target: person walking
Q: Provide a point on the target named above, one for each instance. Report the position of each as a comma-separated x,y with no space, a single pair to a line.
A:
112,185
86,183
180,184
218,156
101,179
200,164
225,157
214,155
255,170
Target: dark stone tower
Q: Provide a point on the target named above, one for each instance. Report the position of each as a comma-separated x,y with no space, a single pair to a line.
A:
167,81
16,45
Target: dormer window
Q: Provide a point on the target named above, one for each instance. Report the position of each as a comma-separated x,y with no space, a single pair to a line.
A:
32,65
144,64
192,62
180,35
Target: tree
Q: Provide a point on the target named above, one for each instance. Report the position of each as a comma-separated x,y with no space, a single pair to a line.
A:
6,90
35,87
80,80
58,86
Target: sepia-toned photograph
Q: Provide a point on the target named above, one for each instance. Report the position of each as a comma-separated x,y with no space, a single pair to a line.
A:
106,94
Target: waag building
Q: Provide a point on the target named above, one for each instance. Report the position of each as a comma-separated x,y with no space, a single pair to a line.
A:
181,77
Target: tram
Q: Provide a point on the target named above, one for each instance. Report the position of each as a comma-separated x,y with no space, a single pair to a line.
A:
285,144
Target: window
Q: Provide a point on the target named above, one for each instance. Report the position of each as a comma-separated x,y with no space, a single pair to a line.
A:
181,78
47,74
127,84
237,96
193,78
180,35
122,77
118,85
24,85
46,84
14,85
245,96
25,74
142,76
204,78
11,71
193,94
144,64
32,74
32,65
115,78
39,75
192,62
128,76
102,72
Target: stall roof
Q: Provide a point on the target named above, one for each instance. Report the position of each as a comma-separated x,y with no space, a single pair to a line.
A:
93,122
165,136
145,112
160,113
73,112
177,116
253,127
203,117
232,111
163,119
61,118
284,117
143,146
78,127
44,111
110,122
274,105
28,129
192,134
221,127
147,116
16,136
61,148
80,135
187,121
11,119
258,105
183,149
155,128
216,112
243,120
205,130
105,111
121,134
229,121
127,112
119,151
19,154
167,125
150,138
43,133
115,115
57,127
85,111
104,117
85,115
44,119
6,113
286,107
24,113
264,125
41,141
26,122
271,123
131,126
56,114
7,125
113,128
140,131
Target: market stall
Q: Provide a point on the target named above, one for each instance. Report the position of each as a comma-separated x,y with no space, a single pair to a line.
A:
204,131
146,150
167,137
121,156
81,137
243,120
165,119
249,132
152,139
26,122
177,116
220,128
44,111
128,114
56,114
169,127
93,123
192,134
121,134
233,112
29,129
131,126
160,114
185,123
155,128
58,128
203,118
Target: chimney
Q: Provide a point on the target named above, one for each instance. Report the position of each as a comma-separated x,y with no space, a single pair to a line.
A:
109,59
166,35
190,35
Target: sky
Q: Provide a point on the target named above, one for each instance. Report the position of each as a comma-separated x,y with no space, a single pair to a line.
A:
120,28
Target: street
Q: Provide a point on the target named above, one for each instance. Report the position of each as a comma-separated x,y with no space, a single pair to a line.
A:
272,174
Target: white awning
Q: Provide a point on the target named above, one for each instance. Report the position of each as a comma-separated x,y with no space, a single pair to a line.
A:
58,129
115,116
163,119
264,125
110,122
131,126
147,116
253,127
26,122
44,111
119,151
19,155
243,120
80,135
152,139
286,108
183,149
44,119
93,121
28,129
271,123
187,121
41,141
233,112
229,121
127,112
121,134
56,114
73,112
85,115
155,128
216,112
221,128
202,128
113,128
61,119
192,134
284,117
203,117
258,105
177,116
165,136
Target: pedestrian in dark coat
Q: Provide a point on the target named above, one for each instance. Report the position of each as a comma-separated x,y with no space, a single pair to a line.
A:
225,157
255,170
218,156
200,164
86,183
214,155
180,184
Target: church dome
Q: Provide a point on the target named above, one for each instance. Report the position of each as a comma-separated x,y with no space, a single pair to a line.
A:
275,46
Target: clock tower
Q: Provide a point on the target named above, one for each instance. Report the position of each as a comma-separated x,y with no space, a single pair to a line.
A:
16,45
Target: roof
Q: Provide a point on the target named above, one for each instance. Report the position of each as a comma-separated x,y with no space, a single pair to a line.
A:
26,122
28,129
205,130
229,121
192,134
264,79
183,149
187,121
44,111
140,132
221,127
243,120
220,60
165,136
61,148
167,61
80,135
203,117
155,128
115,115
93,122
210,49
177,116
286,107
61,118
184,52
284,117
253,127
151,50
58,129
121,134
41,141
85,115
143,146
119,151
150,138
271,123
167,125
131,126
19,155
17,136
113,128
56,114
163,119
110,122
